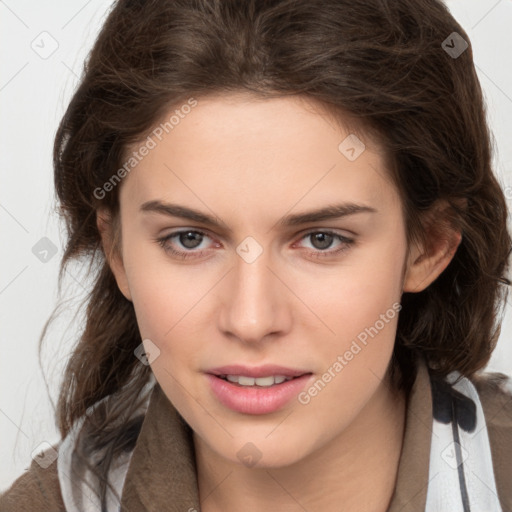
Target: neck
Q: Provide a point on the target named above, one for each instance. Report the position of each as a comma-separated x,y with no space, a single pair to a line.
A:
358,468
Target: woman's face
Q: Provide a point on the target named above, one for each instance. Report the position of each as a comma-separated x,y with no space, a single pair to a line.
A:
261,285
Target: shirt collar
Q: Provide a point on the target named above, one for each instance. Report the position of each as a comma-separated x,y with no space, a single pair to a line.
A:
162,474
413,468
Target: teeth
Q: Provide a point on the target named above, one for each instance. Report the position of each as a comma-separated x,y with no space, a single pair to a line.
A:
259,381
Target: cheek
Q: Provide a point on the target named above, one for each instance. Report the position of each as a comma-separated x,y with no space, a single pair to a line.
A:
163,292
364,286
168,309
361,310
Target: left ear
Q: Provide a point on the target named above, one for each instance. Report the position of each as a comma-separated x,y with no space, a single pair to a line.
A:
426,261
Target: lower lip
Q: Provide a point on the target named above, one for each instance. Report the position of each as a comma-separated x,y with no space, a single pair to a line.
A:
256,400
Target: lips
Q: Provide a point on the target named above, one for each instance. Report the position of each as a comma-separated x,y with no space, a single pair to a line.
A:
257,371
253,399
256,381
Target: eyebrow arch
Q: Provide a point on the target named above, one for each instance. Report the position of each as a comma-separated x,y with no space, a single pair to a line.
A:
326,213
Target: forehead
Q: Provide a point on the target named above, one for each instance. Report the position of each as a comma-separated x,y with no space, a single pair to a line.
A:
247,152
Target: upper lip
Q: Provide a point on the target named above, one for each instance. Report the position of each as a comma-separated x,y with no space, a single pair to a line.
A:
257,371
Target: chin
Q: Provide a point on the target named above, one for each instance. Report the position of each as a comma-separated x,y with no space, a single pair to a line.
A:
255,454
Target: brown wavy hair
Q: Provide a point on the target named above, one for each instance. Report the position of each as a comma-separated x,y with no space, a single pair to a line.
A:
379,62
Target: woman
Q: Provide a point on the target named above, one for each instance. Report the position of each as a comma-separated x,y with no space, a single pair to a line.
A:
286,206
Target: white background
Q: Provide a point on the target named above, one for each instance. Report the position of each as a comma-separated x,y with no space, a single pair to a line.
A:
33,95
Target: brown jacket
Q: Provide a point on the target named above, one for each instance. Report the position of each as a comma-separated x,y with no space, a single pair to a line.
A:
162,473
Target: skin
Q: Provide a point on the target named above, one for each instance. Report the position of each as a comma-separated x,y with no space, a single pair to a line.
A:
249,162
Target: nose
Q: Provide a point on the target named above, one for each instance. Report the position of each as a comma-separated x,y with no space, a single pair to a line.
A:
254,302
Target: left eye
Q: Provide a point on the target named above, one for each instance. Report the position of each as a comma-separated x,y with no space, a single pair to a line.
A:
190,240
323,239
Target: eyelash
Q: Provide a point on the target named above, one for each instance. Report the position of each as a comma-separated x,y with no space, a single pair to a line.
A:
346,244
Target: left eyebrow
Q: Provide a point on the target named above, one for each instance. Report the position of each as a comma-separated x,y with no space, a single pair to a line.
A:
326,213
